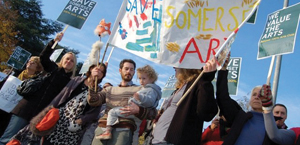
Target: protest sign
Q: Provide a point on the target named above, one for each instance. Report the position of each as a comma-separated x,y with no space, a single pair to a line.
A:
167,91
85,66
176,33
234,68
76,12
280,31
169,87
19,58
253,17
55,55
9,97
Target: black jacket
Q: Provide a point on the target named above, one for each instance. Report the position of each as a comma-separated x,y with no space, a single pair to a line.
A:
233,113
198,106
32,105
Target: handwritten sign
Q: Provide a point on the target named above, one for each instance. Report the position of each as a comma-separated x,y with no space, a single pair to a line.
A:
9,97
19,58
76,12
184,34
280,32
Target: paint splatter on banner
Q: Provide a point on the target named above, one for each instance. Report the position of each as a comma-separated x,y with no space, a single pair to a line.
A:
181,33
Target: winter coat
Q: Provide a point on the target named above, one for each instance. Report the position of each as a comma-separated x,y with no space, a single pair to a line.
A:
90,113
149,96
198,106
32,105
233,113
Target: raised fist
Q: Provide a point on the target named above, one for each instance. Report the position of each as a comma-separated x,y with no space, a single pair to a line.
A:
266,96
59,36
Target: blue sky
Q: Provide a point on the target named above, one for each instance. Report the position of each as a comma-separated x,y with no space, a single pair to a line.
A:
253,72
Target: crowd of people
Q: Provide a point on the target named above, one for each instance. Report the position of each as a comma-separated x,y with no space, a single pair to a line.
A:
113,115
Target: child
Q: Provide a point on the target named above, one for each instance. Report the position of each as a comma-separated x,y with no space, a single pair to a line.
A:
148,97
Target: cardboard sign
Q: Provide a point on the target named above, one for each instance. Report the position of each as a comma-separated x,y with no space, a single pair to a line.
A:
9,97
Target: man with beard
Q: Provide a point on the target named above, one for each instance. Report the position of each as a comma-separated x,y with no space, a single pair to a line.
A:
116,96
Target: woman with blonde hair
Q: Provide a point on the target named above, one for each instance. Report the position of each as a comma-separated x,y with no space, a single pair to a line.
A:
58,75
63,63
33,67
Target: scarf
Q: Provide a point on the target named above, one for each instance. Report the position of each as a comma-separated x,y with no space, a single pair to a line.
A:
24,75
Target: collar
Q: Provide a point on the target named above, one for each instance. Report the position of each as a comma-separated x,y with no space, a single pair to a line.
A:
283,126
128,84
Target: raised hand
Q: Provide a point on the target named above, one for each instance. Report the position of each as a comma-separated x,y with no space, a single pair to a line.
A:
266,96
210,66
224,67
59,36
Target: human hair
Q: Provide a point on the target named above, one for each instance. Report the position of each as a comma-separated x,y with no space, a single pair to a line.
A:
251,94
149,71
126,60
252,91
281,106
89,72
73,70
185,75
39,66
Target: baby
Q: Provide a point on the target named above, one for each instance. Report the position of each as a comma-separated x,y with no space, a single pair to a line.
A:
147,97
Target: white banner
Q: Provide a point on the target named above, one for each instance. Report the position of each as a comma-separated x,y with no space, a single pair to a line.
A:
183,34
54,56
9,97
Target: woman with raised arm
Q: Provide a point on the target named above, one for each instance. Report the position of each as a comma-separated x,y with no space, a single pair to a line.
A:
30,106
182,124
74,111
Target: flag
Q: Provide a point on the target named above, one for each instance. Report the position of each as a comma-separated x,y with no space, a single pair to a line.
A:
183,34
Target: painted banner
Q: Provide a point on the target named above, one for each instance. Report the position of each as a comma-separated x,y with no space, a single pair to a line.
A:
9,97
183,34
19,58
234,69
280,32
76,12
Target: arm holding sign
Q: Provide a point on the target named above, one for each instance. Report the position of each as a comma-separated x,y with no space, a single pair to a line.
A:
227,106
279,136
46,53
